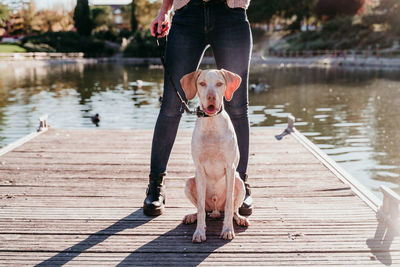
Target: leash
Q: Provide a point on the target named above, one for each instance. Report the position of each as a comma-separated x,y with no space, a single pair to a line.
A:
198,112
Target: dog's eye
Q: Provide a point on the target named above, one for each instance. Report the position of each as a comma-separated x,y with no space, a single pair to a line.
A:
218,84
202,83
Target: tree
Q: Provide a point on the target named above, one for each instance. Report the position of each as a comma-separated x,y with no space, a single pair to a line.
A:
134,23
102,18
3,15
48,20
83,22
298,11
143,12
28,13
263,11
295,10
330,9
146,11
389,11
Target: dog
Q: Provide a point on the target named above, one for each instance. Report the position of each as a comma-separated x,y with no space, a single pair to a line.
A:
216,186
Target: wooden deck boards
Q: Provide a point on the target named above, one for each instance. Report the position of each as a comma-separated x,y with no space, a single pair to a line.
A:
75,196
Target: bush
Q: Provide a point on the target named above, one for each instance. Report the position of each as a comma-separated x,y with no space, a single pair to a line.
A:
106,35
124,33
340,24
66,42
38,47
142,44
258,34
396,26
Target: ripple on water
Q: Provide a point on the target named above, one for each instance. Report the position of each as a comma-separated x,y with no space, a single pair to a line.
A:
323,109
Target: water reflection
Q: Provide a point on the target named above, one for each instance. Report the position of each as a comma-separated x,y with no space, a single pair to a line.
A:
350,114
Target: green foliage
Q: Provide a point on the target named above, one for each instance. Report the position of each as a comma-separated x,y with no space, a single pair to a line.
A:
134,22
331,9
140,13
298,9
68,42
340,24
339,33
388,12
264,10
83,22
109,35
146,11
3,14
102,18
396,26
258,34
11,48
30,47
142,45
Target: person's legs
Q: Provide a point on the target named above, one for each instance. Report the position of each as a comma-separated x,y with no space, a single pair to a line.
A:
230,39
183,53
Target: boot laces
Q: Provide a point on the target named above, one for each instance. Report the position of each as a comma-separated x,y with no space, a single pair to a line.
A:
155,188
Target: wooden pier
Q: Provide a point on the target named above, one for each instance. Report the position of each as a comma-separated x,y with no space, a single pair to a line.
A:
75,196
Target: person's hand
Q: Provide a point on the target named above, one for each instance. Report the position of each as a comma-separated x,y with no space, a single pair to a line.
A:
160,24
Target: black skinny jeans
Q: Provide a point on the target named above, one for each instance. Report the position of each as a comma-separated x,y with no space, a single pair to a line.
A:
195,27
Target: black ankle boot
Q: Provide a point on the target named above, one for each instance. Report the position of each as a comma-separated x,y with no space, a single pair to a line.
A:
247,206
155,197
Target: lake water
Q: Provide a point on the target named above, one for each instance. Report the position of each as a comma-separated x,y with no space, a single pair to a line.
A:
352,115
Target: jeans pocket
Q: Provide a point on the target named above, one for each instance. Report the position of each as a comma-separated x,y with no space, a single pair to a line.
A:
236,13
181,10
237,10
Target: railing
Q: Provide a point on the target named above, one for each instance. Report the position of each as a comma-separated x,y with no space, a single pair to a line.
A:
365,53
387,210
40,55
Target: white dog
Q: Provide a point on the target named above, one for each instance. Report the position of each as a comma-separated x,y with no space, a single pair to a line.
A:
216,186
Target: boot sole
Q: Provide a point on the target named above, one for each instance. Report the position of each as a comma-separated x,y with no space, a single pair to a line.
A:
153,212
246,211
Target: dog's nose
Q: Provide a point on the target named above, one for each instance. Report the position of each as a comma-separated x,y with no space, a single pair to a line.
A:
211,97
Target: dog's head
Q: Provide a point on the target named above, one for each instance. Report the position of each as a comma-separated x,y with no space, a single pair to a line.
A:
211,86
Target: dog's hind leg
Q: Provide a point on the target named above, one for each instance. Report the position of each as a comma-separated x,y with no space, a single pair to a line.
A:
191,194
238,199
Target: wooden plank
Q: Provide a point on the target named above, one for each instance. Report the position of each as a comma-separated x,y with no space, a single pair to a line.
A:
67,198
20,142
290,229
180,259
178,242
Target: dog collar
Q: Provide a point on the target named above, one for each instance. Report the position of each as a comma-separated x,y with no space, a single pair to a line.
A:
201,114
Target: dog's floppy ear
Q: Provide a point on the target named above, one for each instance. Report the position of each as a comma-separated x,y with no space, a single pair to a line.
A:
232,83
189,84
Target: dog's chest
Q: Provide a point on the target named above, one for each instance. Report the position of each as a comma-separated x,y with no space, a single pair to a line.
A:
213,150
212,143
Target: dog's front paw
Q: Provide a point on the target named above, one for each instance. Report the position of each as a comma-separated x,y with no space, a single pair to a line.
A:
241,221
227,234
199,236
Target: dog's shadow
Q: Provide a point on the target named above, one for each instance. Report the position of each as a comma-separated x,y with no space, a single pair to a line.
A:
175,247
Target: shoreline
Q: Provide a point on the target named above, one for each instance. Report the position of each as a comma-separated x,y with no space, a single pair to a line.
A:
318,62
